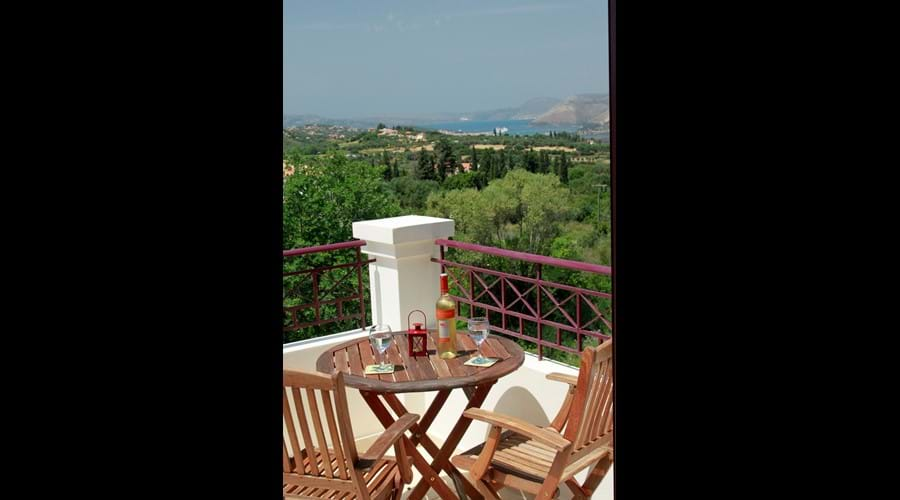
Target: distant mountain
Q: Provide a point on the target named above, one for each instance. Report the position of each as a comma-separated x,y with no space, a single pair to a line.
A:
528,111
582,109
535,107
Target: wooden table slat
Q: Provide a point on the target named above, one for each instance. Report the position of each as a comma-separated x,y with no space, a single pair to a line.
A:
412,368
467,347
340,361
426,363
456,365
401,374
498,347
467,351
439,365
356,365
489,351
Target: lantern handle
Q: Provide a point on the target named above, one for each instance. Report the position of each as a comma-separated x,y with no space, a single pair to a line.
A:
409,324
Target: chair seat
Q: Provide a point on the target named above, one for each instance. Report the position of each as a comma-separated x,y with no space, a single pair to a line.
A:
516,455
380,480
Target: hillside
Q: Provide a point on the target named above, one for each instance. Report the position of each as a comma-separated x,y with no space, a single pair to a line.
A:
582,109
529,110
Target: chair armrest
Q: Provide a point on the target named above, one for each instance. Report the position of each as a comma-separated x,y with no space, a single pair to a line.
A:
519,426
559,377
386,440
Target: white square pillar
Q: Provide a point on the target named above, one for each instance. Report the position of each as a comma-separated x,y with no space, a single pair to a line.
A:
403,278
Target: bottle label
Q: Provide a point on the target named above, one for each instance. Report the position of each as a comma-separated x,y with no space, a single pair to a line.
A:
443,331
446,313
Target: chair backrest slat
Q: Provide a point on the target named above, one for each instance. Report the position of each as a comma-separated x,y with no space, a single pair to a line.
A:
309,448
605,409
320,435
575,412
343,415
292,434
335,435
285,460
589,412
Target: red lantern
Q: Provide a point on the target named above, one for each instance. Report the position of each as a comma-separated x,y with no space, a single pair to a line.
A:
417,336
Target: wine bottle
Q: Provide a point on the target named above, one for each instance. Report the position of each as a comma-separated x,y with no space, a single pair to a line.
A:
446,317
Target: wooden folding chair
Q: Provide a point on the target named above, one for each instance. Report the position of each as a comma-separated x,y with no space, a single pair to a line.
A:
315,470
537,460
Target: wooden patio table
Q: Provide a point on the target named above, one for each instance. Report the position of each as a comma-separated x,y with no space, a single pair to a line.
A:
422,374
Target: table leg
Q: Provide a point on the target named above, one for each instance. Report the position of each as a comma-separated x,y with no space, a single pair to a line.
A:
420,429
449,447
430,477
420,436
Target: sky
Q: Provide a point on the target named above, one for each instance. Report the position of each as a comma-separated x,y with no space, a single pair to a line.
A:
352,59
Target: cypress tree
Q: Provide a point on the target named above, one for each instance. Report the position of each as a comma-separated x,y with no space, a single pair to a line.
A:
424,167
531,163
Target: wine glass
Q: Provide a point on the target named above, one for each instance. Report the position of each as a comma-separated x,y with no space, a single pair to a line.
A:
478,331
380,336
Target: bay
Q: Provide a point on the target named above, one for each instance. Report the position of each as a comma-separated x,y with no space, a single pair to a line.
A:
515,127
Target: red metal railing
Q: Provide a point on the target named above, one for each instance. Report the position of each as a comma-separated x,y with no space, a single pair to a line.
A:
584,318
326,286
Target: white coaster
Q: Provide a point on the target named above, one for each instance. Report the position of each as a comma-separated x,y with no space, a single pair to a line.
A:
378,370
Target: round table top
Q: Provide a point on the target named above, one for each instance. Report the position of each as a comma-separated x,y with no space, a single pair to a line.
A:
421,373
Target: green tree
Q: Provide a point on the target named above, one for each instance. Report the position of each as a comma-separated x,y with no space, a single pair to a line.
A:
326,195
564,168
412,193
446,159
544,162
386,166
522,211
425,167
462,180
531,161
395,169
487,163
